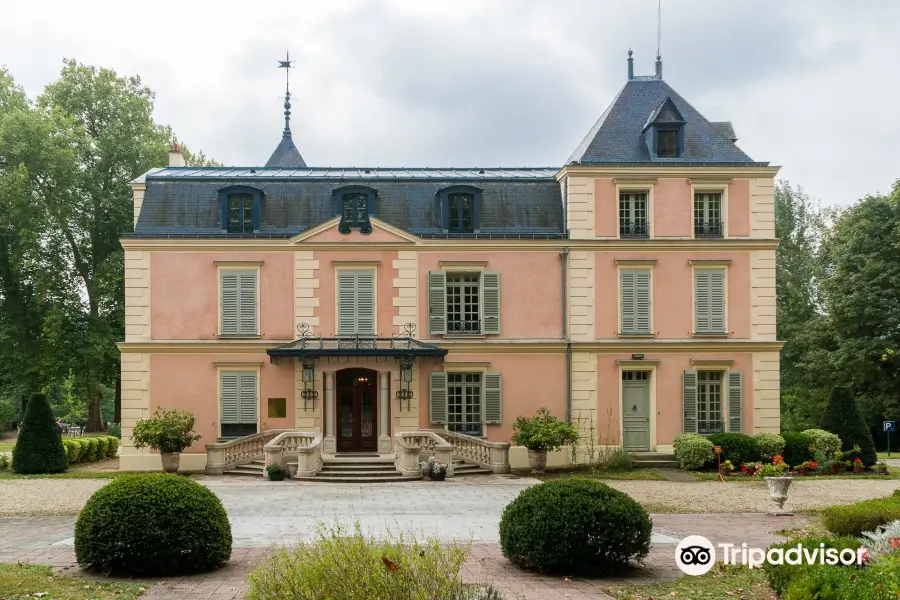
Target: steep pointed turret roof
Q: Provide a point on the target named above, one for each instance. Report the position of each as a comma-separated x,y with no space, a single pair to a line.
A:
286,154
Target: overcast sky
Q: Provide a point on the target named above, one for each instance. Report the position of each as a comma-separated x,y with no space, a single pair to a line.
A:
809,85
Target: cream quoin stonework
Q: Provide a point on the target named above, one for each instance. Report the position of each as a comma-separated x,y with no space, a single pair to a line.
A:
630,290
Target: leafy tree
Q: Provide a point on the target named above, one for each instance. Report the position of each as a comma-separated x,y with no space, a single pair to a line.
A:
843,418
39,447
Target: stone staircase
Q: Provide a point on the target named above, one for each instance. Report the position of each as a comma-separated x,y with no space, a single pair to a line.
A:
654,460
356,469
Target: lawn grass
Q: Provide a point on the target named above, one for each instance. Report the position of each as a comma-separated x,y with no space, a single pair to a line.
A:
564,473
24,581
4,475
732,581
7,446
892,474
883,455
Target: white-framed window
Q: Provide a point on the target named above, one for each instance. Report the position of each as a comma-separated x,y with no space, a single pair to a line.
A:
708,215
356,302
464,403
239,402
635,301
709,301
463,302
239,302
634,221
710,402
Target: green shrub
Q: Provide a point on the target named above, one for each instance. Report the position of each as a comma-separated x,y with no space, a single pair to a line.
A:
770,445
543,432
879,580
4,462
113,448
824,441
115,430
797,448
854,519
71,452
39,446
739,448
693,451
780,576
615,459
351,566
102,446
166,431
843,418
152,525
575,527
90,450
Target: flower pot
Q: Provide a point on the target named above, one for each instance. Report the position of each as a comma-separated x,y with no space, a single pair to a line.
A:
804,470
439,476
858,469
836,469
537,460
882,471
170,461
778,492
279,476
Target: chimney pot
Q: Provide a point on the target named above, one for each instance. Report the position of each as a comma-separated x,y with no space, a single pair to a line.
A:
658,66
176,158
630,64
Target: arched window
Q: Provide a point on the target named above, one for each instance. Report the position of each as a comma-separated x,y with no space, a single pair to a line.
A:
240,207
354,204
460,208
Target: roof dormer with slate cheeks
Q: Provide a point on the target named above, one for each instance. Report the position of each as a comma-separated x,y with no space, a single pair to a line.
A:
664,131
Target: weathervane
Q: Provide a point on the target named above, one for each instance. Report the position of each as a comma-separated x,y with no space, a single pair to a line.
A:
286,64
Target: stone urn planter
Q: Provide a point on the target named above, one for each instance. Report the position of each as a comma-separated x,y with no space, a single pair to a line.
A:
170,461
537,461
778,492
439,476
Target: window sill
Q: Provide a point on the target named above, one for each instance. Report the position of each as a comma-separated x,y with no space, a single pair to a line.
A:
465,336
237,336
636,335
710,334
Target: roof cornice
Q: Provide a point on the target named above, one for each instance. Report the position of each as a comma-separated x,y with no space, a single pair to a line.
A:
660,171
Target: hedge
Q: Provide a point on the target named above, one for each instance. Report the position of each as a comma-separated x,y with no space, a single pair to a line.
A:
38,448
90,448
739,448
693,451
798,448
868,515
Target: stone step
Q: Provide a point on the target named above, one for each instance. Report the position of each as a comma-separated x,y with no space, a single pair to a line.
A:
653,455
360,473
329,468
470,470
360,479
245,470
655,464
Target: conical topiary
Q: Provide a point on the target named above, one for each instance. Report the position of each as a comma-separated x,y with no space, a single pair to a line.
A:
843,417
39,447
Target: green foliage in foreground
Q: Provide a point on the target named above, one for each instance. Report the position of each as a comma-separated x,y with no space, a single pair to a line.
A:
23,581
868,515
721,582
343,564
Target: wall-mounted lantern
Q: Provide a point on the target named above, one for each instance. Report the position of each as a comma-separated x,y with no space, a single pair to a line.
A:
308,376
405,393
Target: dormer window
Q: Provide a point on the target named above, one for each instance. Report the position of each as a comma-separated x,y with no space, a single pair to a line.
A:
354,205
667,143
664,131
460,207
240,206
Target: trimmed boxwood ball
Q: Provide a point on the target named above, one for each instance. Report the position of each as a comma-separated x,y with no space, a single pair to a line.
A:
152,525
39,447
574,527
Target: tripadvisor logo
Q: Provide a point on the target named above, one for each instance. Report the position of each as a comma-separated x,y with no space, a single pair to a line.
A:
695,555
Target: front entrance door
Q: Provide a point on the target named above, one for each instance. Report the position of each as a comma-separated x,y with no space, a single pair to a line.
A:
356,410
636,411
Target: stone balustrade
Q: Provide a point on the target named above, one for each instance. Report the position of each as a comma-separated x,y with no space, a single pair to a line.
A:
412,444
490,455
305,446
226,455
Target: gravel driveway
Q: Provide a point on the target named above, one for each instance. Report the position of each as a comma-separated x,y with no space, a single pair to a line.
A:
21,497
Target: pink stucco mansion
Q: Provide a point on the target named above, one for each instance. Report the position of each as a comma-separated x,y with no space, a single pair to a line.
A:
633,288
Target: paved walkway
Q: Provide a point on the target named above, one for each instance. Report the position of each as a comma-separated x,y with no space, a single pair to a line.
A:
263,515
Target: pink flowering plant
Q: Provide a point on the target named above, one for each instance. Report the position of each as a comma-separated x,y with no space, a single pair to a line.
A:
434,467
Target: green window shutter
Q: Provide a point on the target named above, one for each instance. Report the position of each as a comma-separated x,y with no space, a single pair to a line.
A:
628,301
642,301
735,401
701,303
437,398
490,299
493,399
365,303
230,302
717,301
689,396
437,302
248,398
247,302
346,302
230,383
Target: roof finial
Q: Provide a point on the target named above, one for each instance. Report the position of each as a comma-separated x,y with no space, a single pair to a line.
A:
630,64
286,65
658,39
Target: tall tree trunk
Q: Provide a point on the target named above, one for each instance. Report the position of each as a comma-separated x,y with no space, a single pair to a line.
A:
95,417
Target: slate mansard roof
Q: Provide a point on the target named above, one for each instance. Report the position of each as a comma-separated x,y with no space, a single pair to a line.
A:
184,201
616,138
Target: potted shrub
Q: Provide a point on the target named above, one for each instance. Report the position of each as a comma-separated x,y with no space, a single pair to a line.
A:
778,480
726,468
836,463
169,432
435,469
882,468
858,466
276,472
540,434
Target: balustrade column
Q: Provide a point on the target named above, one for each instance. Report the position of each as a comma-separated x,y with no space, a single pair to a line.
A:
329,414
384,438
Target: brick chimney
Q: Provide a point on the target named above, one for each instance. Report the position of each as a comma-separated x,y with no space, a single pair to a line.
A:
176,158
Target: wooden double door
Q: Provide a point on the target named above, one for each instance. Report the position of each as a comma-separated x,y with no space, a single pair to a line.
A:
357,410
